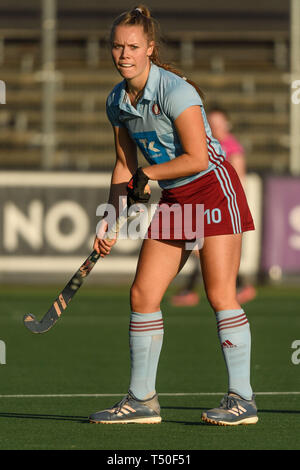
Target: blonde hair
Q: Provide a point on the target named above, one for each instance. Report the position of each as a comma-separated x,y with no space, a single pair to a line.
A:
141,16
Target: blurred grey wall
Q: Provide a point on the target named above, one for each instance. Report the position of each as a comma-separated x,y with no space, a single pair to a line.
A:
190,14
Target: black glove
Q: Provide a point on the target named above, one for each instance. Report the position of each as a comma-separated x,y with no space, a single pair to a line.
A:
136,188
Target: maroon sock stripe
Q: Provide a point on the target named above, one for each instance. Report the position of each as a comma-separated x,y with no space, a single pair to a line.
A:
232,322
140,323
235,326
237,318
147,329
146,326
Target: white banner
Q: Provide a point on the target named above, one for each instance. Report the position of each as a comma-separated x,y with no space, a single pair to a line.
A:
251,251
48,223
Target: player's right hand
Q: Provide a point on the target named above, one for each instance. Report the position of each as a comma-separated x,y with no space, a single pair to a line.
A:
138,189
103,245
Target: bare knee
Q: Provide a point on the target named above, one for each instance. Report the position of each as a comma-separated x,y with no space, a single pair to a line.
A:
142,300
222,298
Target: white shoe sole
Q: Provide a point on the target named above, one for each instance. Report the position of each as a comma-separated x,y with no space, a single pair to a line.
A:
150,420
251,420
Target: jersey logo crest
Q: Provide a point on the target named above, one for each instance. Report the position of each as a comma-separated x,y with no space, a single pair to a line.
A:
156,109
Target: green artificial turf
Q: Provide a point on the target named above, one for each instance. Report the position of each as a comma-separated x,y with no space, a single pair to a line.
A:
87,353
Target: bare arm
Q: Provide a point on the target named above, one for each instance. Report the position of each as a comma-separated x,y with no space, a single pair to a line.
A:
125,166
190,128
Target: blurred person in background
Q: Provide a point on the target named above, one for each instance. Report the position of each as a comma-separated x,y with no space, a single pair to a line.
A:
221,128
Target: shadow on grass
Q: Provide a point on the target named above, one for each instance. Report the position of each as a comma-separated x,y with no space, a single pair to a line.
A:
76,419
202,423
84,419
184,408
207,408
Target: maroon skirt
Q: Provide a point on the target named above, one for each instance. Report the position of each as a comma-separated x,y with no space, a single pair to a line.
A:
214,204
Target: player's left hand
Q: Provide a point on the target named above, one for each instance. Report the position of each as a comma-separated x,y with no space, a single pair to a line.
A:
103,245
138,189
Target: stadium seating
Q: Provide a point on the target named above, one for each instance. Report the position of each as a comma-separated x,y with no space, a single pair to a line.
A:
244,72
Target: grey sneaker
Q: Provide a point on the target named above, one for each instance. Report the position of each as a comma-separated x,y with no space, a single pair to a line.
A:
233,410
130,410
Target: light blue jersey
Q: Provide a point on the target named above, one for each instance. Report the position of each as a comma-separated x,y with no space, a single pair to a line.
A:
151,124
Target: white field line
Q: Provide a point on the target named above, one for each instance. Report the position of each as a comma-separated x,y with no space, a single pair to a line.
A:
99,395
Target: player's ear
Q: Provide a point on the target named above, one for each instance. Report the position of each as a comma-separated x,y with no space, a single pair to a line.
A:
150,48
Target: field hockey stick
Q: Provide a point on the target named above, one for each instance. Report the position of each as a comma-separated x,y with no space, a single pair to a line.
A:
66,295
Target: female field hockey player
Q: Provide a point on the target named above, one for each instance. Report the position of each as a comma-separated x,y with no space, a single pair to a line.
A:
162,113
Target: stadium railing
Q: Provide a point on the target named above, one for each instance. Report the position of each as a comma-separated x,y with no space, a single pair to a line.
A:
267,48
229,67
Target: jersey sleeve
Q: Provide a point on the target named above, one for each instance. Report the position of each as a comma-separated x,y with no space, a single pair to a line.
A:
112,112
179,98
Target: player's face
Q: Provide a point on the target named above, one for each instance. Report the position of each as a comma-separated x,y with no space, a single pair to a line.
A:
131,51
218,124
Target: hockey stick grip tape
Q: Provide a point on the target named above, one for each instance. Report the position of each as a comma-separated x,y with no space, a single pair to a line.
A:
121,220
